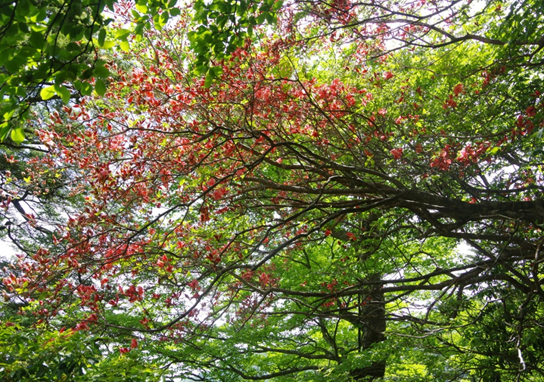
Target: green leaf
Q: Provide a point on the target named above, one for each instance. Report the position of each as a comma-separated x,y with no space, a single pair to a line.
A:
135,14
63,93
100,87
101,71
85,88
4,130
164,18
261,18
36,40
122,34
61,77
101,37
124,45
277,5
108,44
47,93
73,47
76,32
209,78
23,7
17,135
270,18
110,4
141,8
21,92
139,30
242,8
16,62
494,150
217,71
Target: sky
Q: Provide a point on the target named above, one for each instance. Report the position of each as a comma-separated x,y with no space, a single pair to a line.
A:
6,250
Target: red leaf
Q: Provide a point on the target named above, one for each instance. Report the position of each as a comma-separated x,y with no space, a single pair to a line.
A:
458,89
397,153
194,285
124,350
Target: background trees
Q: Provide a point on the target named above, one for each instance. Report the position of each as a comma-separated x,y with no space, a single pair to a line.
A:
298,214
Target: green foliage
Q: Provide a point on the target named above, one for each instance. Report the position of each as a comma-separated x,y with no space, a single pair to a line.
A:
293,208
52,49
223,26
41,353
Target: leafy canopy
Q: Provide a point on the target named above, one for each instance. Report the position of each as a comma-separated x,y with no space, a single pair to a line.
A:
301,213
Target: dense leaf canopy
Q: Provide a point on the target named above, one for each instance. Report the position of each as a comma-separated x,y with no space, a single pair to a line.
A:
52,50
354,193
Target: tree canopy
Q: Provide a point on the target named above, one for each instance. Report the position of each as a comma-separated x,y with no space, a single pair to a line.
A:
56,49
285,191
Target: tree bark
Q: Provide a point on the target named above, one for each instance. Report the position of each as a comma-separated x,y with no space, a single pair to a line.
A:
373,325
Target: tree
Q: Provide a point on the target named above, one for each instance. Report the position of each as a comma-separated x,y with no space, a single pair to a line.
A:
52,50
299,217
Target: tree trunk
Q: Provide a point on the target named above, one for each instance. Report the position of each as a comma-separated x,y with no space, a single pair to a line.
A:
372,324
